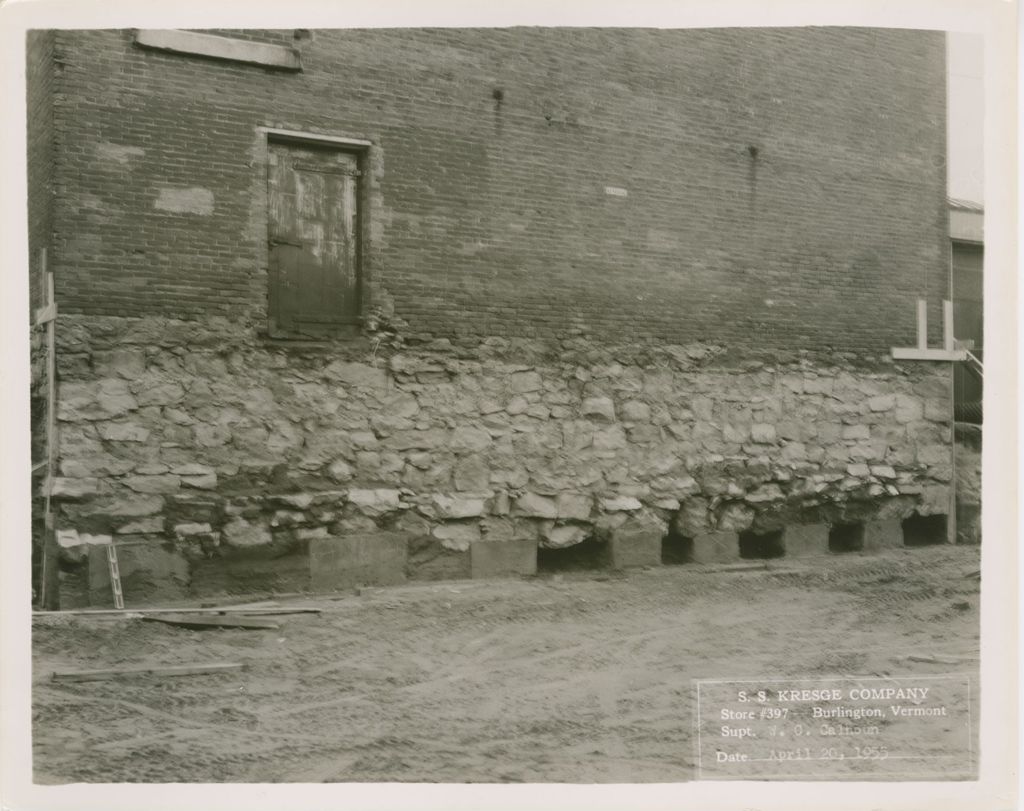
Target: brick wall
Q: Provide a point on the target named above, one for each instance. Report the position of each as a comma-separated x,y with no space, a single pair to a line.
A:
40,73
490,216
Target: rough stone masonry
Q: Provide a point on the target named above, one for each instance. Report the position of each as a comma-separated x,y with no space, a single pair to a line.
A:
225,451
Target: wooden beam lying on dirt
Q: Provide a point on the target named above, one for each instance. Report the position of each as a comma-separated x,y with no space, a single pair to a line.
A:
130,612
936,660
241,605
158,670
211,621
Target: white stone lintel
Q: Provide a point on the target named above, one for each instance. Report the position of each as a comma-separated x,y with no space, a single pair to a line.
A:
218,47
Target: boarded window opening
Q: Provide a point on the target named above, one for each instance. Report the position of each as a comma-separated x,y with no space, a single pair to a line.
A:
588,555
924,530
761,545
676,549
313,232
846,538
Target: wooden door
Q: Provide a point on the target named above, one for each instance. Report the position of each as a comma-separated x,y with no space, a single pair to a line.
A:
314,241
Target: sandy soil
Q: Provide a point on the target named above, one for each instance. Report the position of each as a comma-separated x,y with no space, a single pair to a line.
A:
584,677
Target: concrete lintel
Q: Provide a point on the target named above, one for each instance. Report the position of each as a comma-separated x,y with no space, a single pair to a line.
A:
967,226
218,47
300,136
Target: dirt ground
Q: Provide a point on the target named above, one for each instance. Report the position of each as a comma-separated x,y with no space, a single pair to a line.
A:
578,678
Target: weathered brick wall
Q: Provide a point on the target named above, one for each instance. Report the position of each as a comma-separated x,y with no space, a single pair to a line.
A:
489,216
40,74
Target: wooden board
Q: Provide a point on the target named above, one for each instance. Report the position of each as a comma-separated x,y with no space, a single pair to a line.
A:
133,612
156,670
211,621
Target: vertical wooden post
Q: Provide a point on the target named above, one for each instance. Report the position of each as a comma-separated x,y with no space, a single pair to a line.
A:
949,342
49,596
949,338
922,324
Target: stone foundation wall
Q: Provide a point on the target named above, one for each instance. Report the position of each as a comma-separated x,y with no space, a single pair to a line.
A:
197,446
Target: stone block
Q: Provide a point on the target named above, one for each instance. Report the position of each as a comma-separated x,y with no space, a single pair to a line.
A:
600,408
577,506
471,474
242,533
762,433
882,535
366,559
562,536
620,504
536,506
469,440
458,506
68,488
805,540
457,536
638,547
358,375
716,547
517,556
523,382
375,503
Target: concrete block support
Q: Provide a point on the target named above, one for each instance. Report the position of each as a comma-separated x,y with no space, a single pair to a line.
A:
716,547
636,548
367,559
882,535
149,575
511,558
805,540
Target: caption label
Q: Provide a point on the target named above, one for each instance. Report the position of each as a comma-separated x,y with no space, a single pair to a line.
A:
900,728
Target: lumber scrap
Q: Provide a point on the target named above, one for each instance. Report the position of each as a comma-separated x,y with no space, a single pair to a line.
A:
135,612
211,621
156,670
935,660
236,606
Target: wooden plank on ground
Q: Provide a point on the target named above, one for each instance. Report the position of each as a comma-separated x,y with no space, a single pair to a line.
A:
211,621
134,612
156,670
236,606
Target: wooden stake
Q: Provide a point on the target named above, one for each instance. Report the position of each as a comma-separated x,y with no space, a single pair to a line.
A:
47,314
948,339
922,324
